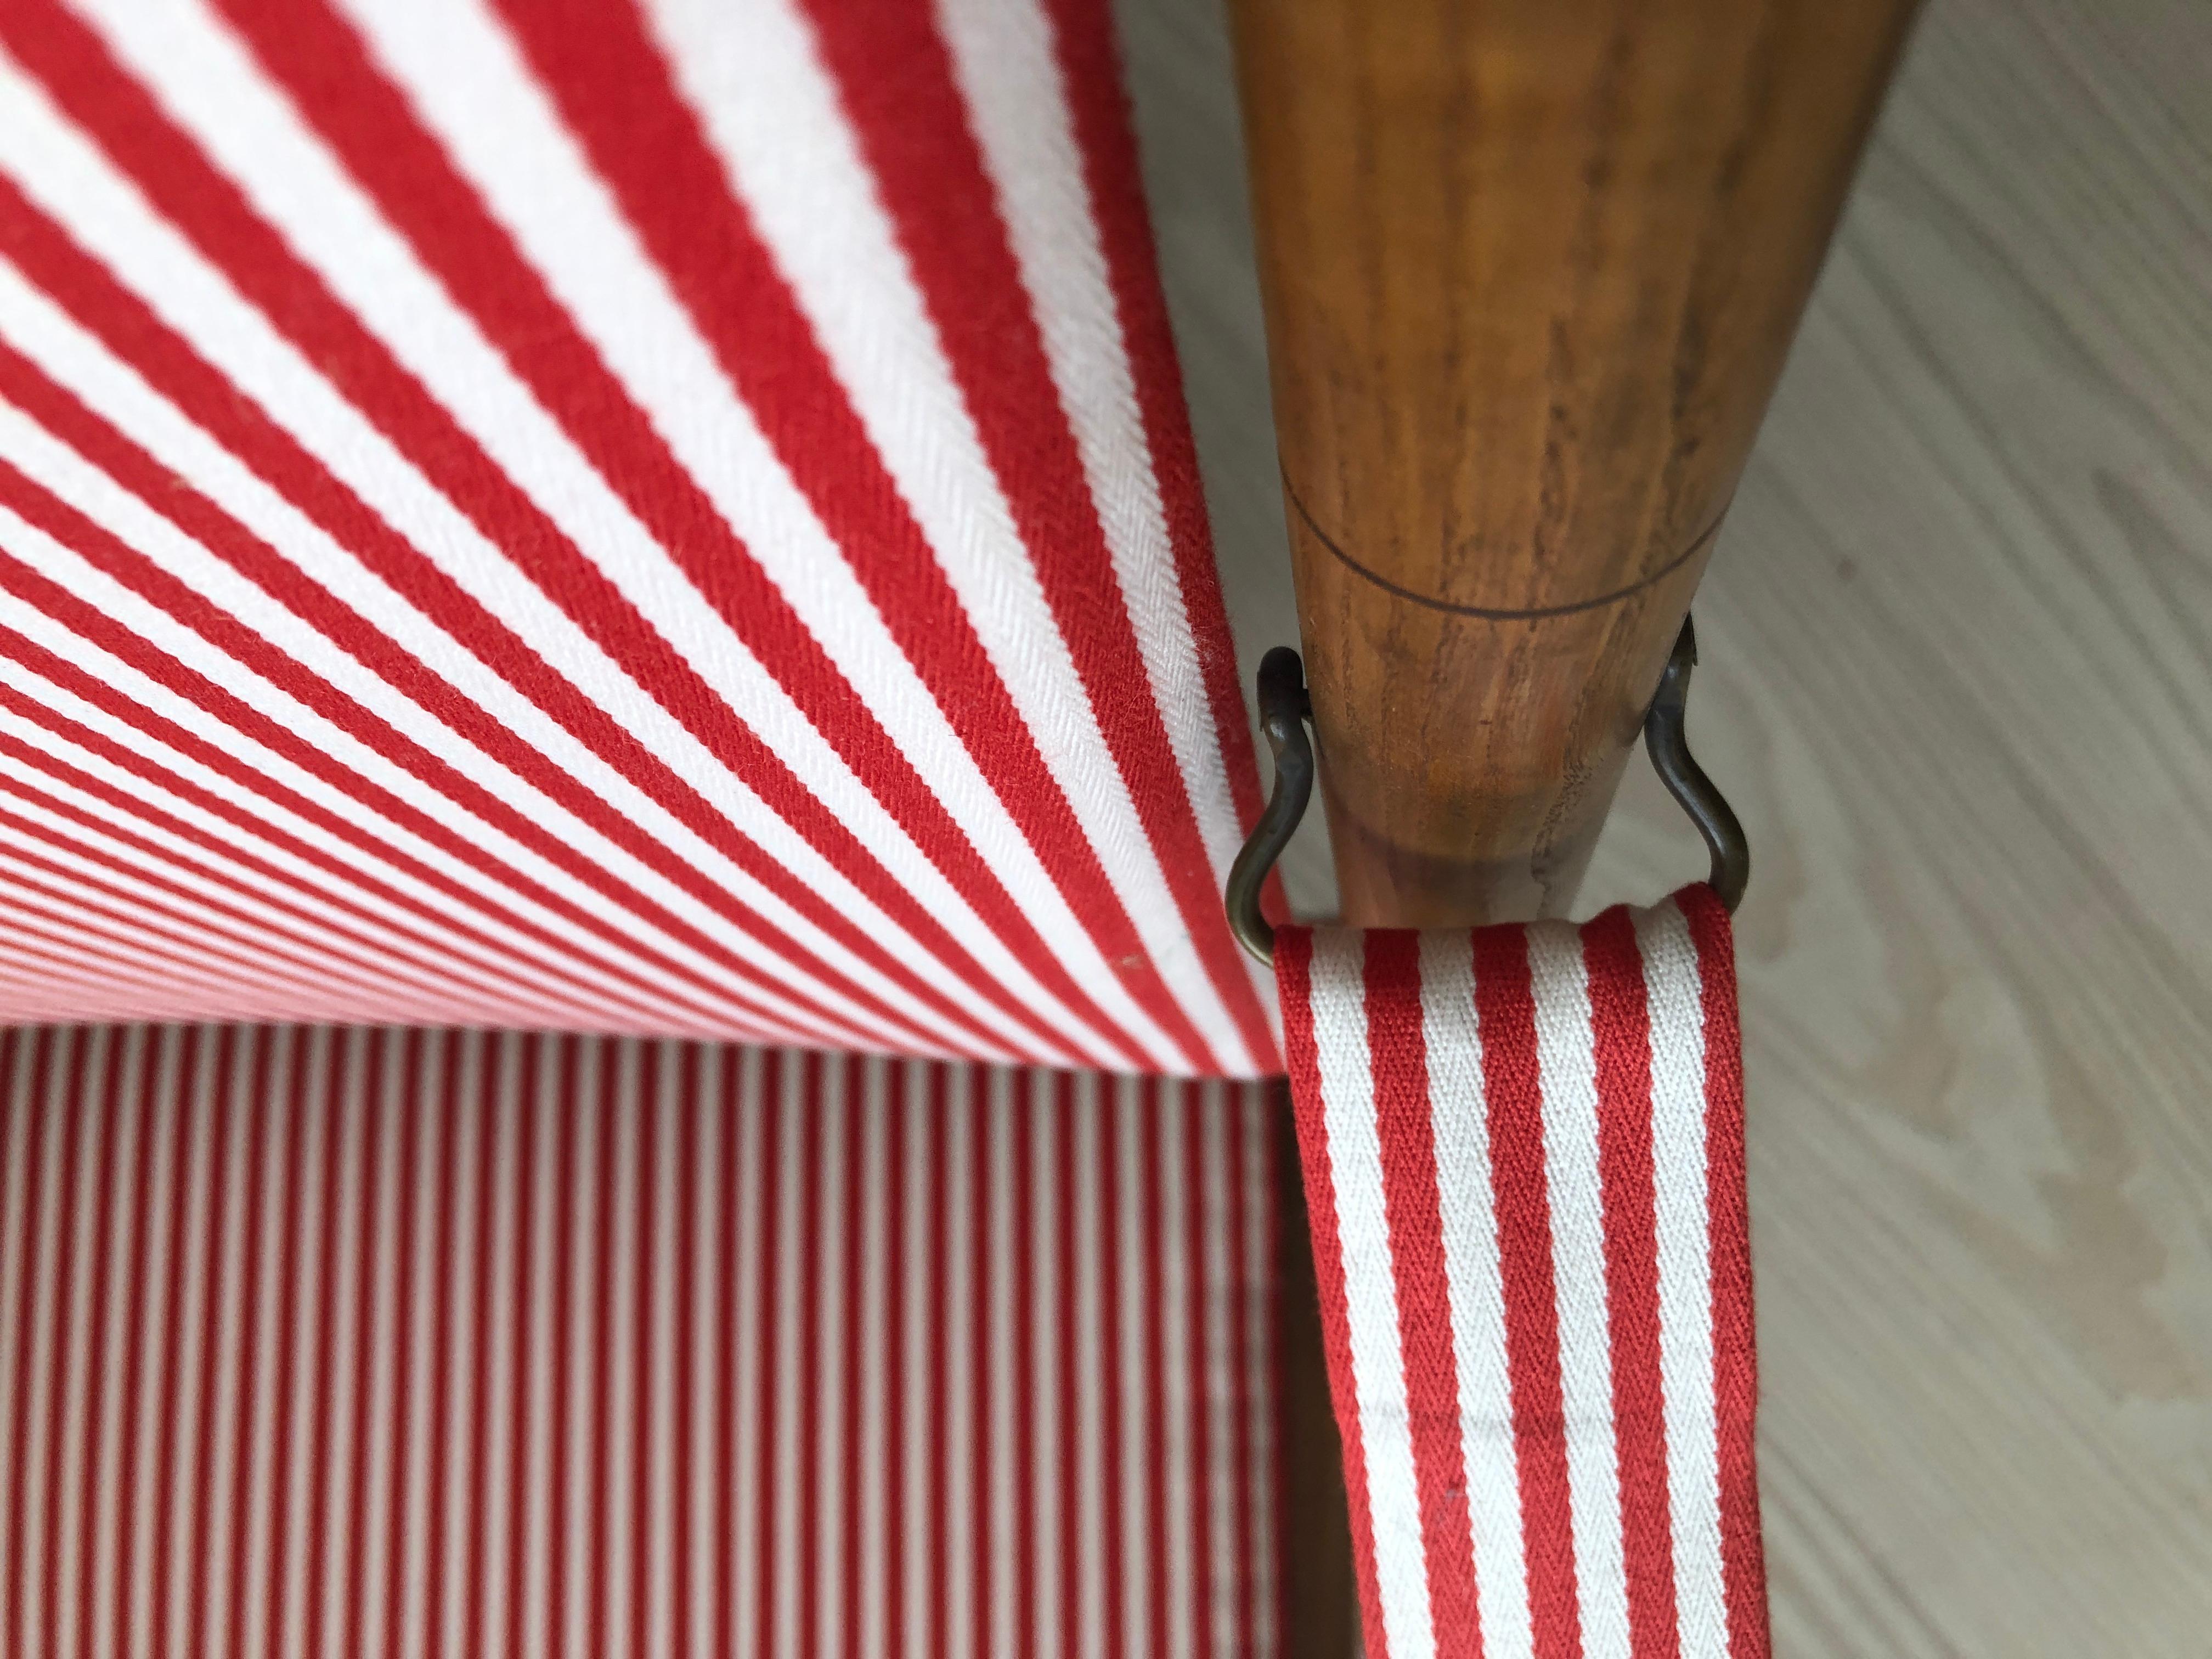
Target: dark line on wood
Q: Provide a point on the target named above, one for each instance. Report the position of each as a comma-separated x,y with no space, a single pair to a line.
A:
1486,612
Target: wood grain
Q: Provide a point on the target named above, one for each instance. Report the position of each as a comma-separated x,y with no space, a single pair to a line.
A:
1957,678
1530,269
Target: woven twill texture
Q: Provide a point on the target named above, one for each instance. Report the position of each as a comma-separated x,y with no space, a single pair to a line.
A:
384,1342
1524,1152
669,519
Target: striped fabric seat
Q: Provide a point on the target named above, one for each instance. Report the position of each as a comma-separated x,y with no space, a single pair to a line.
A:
385,1341
673,519
672,522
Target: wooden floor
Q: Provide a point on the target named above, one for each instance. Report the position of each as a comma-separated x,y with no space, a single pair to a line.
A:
1958,647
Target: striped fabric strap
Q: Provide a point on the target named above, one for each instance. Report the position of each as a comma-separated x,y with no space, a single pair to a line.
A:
1523,1153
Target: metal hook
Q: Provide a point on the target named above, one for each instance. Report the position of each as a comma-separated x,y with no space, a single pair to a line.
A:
1696,794
1285,708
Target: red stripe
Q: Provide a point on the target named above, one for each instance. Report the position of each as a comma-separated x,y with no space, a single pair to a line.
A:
648,1112
1153,1336
1505,1011
736,1118
690,1101
58,1364
1114,1382
1620,1030
296,1107
90,1486
808,1544
1199,1324
1398,1060
938,1402
573,1106
981,1347
1736,1380
1302,1054
1063,1122
903,1102
372,1073
1021,1340
853,1203
181,1176
200,1539
767,1346
935,183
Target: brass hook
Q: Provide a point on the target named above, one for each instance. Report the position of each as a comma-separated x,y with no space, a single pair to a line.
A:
1285,708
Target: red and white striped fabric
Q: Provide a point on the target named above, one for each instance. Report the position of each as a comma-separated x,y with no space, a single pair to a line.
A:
408,1343
670,518
1523,1153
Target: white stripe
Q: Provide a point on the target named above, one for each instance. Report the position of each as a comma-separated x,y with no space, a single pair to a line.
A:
1171,1308
112,1484
1567,1064
965,1201
1474,1282
423,1402
1139,1300
1681,1193
757,1122
374,1505
1338,1006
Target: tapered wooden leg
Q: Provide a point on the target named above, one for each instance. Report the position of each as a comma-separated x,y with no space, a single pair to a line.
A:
1530,269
